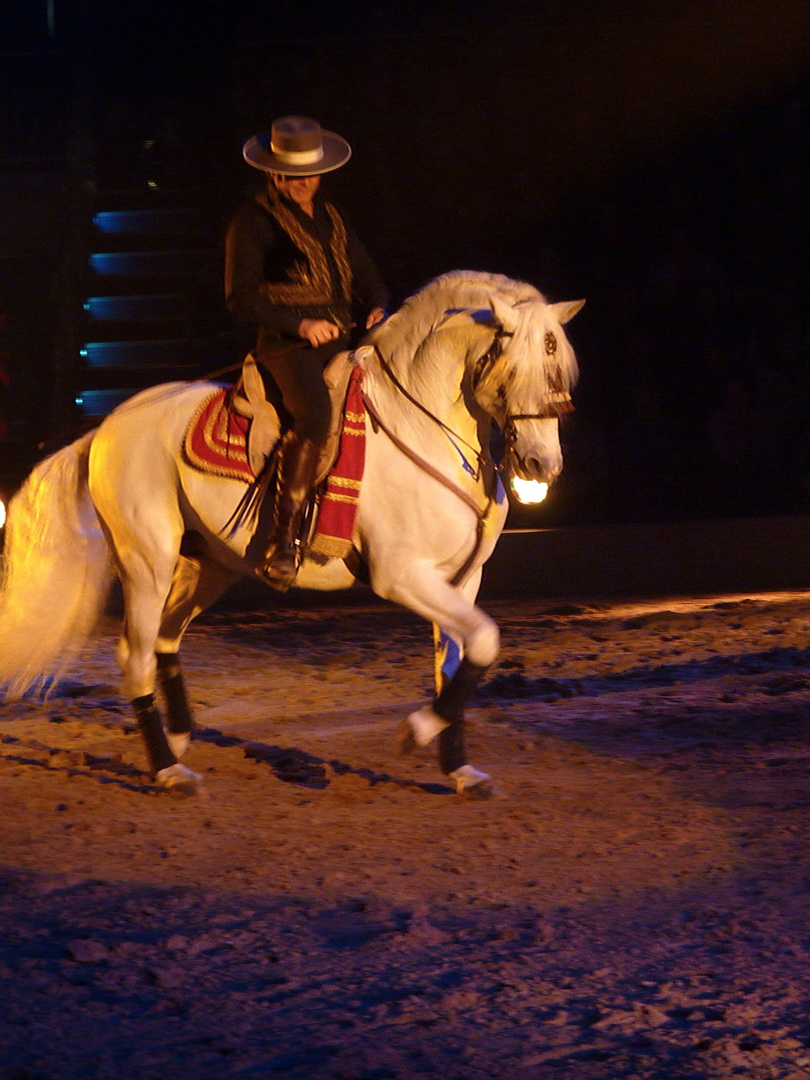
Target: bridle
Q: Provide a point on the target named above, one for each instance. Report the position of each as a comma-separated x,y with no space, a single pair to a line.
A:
488,359
559,401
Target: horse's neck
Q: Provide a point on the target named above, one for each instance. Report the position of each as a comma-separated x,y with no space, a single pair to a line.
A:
431,374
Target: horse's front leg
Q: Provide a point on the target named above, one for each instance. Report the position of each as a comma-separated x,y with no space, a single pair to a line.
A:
474,641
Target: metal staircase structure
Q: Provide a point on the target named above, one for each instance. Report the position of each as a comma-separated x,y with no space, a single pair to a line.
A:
110,244
153,310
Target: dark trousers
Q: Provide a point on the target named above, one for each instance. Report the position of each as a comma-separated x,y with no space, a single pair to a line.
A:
298,376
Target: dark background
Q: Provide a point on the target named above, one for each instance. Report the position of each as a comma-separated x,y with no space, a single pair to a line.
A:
650,155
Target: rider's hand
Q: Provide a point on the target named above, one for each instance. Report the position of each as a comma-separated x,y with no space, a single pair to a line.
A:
374,316
318,331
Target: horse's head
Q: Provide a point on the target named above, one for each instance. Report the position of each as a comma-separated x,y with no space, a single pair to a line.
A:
524,381
518,366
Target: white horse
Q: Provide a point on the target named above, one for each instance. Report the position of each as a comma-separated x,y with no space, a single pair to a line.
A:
468,349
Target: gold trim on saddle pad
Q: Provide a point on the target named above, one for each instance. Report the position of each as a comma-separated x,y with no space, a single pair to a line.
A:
216,440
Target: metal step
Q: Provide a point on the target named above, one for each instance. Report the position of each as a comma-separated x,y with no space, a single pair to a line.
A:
171,263
157,221
154,275
101,402
164,352
138,308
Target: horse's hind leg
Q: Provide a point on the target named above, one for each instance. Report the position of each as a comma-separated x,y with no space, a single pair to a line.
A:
195,586
146,585
179,717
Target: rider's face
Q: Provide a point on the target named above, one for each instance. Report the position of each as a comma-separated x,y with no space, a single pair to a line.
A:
299,189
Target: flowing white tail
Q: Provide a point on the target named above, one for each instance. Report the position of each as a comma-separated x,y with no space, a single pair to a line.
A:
56,573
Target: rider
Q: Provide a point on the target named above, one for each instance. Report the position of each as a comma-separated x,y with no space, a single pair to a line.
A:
295,270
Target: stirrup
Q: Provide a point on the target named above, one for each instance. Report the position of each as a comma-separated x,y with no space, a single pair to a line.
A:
281,569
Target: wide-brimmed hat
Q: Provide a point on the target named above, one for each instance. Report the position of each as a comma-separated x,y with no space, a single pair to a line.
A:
297,146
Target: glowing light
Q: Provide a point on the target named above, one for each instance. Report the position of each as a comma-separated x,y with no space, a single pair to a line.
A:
2,513
529,491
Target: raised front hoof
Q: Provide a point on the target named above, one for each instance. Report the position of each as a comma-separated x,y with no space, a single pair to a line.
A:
472,784
180,780
418,730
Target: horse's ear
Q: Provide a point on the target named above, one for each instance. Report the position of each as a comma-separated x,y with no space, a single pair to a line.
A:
566,310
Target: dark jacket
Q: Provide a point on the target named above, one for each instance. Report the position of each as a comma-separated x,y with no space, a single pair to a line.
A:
282,266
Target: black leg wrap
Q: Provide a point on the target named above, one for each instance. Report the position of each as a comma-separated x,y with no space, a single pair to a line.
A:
178,710
455,694
450,705
452,752
151,725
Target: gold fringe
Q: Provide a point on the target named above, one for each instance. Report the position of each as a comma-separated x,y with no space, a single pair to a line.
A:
331,546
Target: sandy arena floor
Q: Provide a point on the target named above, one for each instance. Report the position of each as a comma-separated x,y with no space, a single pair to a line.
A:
633,905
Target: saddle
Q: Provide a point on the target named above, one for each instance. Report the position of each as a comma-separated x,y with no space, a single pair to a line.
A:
235,433
248,400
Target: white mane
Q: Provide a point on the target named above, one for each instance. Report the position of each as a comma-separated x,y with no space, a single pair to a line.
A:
419,356
400,336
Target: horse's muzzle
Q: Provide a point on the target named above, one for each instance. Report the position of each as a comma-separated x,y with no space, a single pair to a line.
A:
543,468
533,444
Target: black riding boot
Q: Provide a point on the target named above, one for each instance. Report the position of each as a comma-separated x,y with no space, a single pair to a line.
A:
296,475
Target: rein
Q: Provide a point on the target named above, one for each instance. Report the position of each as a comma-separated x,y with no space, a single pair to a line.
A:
425,466
481,515
386,367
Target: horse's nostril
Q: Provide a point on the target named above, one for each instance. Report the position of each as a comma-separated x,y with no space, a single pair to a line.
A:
536,469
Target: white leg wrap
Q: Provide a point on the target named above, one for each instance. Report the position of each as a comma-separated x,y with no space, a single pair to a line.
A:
425,725
179,778
467,777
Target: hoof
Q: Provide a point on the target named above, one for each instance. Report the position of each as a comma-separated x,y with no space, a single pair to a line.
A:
178,742
420,728
179,778
471,783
